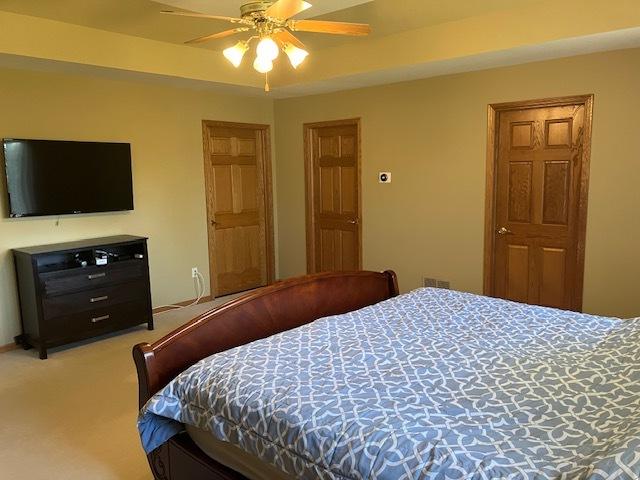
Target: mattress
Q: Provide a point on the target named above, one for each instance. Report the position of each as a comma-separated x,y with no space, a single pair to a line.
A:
234,457
434,384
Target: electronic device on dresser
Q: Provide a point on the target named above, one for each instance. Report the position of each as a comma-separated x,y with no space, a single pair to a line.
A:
77,290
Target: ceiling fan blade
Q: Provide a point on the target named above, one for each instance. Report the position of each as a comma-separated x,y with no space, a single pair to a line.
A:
215,36
336,28
285,9
202,15
285,36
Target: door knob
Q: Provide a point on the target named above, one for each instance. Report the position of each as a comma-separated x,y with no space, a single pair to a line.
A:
353,222
504,231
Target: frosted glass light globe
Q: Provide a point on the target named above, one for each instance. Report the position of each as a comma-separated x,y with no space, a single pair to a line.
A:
296,55
234,54
267,48
262,64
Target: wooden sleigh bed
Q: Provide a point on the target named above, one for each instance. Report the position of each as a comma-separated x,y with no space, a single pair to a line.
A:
259,314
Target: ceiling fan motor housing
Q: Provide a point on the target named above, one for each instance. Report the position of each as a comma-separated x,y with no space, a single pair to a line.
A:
254,8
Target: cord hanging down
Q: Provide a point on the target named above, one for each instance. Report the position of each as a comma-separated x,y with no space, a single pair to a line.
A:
199,284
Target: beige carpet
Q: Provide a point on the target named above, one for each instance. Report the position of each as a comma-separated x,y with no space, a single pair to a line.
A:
73,416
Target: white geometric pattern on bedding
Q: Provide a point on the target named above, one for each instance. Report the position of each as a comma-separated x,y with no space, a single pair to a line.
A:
434,384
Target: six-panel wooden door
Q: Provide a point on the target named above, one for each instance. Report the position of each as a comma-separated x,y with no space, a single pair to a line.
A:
540,204
333,196
236,169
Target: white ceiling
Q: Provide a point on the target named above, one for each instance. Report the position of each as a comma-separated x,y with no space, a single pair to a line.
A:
438,29
602,42
141,18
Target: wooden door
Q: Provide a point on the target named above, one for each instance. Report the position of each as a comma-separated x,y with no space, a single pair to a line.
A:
239,211
541,160
332,151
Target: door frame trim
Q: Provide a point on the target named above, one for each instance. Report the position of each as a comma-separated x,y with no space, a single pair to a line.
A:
309,189
493,123
265,149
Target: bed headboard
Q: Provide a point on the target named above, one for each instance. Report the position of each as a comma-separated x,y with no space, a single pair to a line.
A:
261,313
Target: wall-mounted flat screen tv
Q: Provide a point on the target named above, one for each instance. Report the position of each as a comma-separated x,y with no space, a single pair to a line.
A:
50,177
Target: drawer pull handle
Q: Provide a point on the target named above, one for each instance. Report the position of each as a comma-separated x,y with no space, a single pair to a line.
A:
99,299
96,275
100,319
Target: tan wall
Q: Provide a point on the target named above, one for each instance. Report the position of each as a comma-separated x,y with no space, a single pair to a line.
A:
431,134
163,125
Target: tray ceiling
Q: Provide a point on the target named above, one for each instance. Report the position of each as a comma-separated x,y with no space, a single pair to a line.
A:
140,18
411,39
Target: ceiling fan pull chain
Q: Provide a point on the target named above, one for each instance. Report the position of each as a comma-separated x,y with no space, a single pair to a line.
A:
266,83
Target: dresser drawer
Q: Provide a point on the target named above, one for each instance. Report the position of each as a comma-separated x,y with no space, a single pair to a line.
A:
87,300
95,322
91,277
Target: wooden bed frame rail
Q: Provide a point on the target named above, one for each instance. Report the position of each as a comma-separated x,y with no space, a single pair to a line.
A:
259,314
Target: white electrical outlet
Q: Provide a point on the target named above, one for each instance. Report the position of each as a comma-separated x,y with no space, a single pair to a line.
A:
194,272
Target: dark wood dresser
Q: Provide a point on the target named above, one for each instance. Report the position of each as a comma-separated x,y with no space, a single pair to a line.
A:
65,296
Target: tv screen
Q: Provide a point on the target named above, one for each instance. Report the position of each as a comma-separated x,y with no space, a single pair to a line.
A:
47,177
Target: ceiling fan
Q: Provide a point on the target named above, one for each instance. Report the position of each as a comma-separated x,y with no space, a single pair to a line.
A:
273,24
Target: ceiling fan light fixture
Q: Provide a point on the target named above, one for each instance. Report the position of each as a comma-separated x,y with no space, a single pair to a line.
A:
267,48
236,53
273,24
263,64
296,55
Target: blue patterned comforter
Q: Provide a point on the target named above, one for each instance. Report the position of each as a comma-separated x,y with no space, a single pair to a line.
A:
434,384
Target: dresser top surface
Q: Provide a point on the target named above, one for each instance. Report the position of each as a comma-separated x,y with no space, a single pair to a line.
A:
79,244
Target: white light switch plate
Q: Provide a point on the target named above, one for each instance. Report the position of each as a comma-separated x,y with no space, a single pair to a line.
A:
384,177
